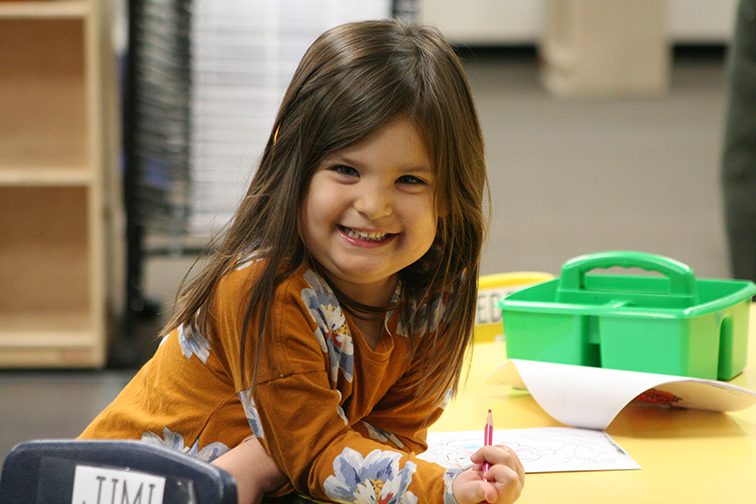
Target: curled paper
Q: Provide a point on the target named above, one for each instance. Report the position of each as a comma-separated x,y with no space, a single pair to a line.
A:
591,397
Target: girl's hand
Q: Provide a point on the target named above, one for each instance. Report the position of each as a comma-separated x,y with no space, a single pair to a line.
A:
501,484
254,471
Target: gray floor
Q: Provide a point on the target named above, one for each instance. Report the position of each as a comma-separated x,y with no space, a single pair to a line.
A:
568,177
56,404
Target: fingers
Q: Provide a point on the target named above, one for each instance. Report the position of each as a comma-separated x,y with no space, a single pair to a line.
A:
514,462
499,454
504,483
507,481
501,484
506,474
470,488
489,493
505,490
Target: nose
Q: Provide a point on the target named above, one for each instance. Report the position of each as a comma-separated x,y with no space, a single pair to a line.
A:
374,202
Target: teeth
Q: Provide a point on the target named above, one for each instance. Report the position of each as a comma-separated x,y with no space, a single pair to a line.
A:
364,235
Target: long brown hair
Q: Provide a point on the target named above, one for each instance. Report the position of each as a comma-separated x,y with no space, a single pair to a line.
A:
352,80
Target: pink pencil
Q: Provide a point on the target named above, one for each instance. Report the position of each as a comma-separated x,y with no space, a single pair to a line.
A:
488,438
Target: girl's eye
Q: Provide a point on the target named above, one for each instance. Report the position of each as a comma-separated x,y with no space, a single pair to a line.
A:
346,170
410,179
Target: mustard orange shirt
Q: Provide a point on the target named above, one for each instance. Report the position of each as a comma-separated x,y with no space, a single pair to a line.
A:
330,410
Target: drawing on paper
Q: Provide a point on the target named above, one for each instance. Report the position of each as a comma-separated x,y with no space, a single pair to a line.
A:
551,449
658,397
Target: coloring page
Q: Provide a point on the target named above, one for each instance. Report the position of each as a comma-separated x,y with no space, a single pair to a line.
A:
548,449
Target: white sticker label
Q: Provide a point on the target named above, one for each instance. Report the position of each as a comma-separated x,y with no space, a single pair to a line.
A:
97,485
488,312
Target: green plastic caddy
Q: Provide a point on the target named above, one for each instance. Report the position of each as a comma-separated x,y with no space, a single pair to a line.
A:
672,323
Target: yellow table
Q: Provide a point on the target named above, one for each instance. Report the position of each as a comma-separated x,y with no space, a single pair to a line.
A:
687,456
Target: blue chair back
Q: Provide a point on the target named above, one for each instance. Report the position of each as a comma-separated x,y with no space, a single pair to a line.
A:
110,472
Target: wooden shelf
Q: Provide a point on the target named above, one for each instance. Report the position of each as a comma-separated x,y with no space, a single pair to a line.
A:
45,176
44,255
48,316
50,339
46,330
44,9
45,125
55,150
42,96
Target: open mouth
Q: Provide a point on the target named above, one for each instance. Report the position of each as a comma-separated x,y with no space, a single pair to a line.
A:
372,236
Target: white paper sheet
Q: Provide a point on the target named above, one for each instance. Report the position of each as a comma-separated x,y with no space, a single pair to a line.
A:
591,398
548,449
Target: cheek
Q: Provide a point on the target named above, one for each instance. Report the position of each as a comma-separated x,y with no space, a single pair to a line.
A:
307,216
320,198
432,230
432,215
426,224
318,215
318,211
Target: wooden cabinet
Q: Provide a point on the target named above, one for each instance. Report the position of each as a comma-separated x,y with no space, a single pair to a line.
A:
57,124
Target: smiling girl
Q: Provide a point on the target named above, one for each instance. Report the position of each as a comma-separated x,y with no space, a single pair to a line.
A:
331,325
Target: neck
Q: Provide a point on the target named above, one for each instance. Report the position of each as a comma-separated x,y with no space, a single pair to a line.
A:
376,294
371,330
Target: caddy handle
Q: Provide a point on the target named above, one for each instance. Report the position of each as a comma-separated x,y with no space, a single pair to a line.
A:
682,281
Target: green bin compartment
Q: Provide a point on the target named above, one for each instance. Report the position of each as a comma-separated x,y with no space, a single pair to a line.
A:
670,324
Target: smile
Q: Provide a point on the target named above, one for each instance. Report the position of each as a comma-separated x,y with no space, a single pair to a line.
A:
364,235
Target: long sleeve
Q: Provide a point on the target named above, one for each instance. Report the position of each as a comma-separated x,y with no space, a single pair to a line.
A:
327,408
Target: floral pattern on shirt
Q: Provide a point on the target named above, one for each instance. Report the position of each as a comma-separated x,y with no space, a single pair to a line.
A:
375,478
447,399
253,416
340,410
449,476
433,307
333,333
193,343
175,441
248,258
382,435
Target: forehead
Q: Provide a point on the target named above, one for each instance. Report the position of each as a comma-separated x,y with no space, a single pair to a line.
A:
399,140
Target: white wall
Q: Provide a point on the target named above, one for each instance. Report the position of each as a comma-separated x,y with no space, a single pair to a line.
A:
491,22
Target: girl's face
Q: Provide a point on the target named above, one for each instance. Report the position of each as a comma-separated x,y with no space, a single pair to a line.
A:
369,212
